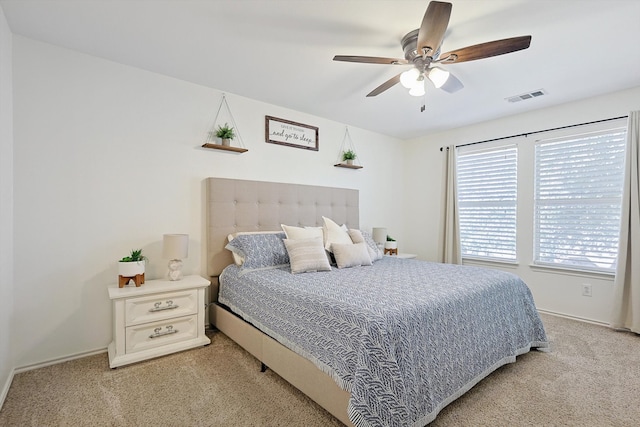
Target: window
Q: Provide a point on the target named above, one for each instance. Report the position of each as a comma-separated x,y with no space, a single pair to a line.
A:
487,196
577,200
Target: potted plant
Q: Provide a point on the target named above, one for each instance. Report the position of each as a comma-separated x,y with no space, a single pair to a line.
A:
349,156
225,133
132,267
391,243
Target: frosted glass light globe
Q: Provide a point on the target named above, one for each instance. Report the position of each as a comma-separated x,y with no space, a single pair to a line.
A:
418,89
409,77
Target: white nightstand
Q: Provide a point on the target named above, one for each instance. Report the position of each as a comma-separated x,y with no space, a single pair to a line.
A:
157,318
402,255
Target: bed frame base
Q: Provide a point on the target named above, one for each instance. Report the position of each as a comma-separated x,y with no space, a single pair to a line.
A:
293,368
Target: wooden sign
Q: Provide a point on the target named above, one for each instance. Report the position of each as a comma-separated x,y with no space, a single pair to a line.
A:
292,134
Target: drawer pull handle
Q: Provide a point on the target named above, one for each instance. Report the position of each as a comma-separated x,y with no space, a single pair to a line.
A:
158,334
169,306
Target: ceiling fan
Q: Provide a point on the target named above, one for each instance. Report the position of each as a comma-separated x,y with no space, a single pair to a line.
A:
422,50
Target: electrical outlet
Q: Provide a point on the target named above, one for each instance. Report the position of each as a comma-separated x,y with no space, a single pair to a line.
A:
586,290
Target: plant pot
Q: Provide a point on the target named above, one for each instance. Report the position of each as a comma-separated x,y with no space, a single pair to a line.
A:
391,245
226,142
349,162
130,269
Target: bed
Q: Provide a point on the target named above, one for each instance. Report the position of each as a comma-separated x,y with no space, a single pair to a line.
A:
374,344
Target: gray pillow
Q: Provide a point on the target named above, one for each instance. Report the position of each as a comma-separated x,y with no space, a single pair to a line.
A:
307,255
239,260
260,250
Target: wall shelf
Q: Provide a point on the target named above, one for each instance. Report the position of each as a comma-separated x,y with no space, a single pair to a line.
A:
225,148
212,139
344,165
347,145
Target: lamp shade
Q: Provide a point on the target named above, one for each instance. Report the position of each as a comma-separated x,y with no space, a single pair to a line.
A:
379,234
175,246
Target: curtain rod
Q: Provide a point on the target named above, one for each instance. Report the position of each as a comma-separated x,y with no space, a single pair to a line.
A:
537,131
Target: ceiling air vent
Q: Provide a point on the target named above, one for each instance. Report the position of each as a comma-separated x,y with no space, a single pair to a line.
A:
528,95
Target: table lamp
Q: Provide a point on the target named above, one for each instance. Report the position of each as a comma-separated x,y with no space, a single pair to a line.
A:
380,236
175,248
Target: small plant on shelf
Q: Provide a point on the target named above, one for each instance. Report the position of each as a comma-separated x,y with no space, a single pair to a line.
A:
225,133
390,239
349,156
134,256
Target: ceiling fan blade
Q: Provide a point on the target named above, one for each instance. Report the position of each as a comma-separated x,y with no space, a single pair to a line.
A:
434,25
386,85
371,60
452,84
486,50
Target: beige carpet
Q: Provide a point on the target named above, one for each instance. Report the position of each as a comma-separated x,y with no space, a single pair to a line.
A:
591,377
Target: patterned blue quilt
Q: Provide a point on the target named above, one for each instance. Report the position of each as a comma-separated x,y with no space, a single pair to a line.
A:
404,337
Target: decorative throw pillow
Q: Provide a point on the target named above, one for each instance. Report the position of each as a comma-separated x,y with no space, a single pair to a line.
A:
295,233
351,254
307,255
260,250
238,259
334,233
358,236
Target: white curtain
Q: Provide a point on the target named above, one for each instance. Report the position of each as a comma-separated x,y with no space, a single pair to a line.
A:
626,302
451,237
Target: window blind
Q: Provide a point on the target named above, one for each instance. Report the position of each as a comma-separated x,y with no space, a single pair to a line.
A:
487,201
578,196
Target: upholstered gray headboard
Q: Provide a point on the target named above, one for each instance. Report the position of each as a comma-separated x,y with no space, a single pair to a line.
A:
238,205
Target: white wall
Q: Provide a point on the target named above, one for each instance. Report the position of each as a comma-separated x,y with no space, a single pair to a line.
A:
108,158
6,206
559,293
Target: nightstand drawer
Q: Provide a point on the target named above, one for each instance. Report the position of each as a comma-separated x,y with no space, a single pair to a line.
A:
157,334
160,306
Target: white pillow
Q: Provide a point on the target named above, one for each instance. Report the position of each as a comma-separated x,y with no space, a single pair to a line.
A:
358,236
307,255
333,233
237,258
351,254
295,233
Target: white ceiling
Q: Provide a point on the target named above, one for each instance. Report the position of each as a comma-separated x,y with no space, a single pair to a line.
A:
280,51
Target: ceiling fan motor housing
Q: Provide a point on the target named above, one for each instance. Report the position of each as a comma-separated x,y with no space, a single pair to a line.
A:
409,45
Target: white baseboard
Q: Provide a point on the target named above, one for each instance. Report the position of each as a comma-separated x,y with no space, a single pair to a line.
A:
568,316
5,388
59,360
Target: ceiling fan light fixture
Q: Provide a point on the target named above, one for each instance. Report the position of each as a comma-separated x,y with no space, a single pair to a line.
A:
418,89
438,76
409,77
422,49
